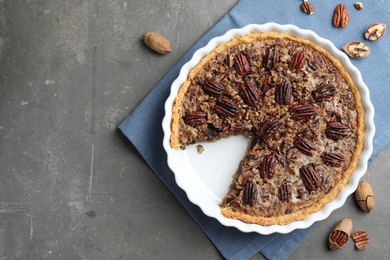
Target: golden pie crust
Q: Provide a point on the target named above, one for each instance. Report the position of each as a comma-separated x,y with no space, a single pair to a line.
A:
254,198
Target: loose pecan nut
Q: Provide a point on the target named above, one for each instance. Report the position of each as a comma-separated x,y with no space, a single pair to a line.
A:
249,93
361,239
213,88
307,8
242,64
249,196
195,118
267,128
298,60
375,31
358,5
267,170
226,107
324,92
365,197
337,131
305,146
332,159
284,192
302,111
310,178
271,58
340,16
283,93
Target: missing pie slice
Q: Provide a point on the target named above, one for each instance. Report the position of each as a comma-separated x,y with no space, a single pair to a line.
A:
301,111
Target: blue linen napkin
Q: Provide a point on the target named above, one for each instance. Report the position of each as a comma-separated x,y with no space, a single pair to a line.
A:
143,126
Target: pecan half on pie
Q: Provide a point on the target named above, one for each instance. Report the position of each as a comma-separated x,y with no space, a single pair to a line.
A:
301,111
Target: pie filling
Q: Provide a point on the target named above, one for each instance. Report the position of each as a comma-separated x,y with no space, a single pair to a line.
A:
301,111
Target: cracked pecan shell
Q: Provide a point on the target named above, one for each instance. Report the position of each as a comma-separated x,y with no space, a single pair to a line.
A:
242,64
283,93
310,178
226,107
213,88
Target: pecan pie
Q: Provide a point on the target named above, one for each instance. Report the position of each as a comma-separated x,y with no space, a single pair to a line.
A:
301,111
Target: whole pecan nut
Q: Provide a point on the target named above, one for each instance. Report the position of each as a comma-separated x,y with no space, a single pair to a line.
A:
284,192
267,170
249,93
324,92
271,58
226,107
298,60
332,159
337,131
249,196
302,111
305,146
242,64
267,128
283,93
340,16
195,118
307,8
213,88
310,178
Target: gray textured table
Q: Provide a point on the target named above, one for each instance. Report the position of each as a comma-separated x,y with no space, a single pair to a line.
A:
71,186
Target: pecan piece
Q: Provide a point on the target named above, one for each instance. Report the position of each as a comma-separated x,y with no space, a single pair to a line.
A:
307,7
267,169
226,107
310,178
195,118
249,93
241,63
267,128
358,5
283,93
337,131
213,88
305,146
302,111
297,60
357,50
375,31
284,192
324,92
361,239
271,58
249,196
340,16
332,159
